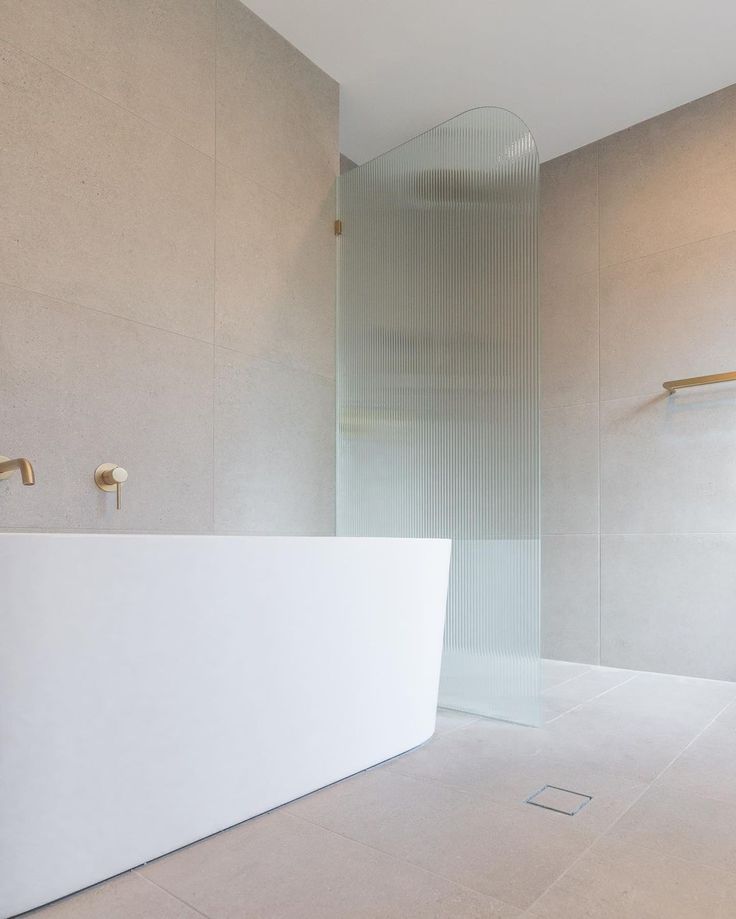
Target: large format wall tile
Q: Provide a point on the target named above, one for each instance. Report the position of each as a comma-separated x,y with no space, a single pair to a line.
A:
667,463
569,453
569,214
154,57
82,388
668,316
568,313
275,275
570,598
277,112
667,604
274,448
100,208
670,180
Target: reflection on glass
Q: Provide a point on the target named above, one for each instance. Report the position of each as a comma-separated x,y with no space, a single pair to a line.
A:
438,385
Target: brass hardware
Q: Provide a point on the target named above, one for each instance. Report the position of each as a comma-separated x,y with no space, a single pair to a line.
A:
338,228
672,385
110,477
8,467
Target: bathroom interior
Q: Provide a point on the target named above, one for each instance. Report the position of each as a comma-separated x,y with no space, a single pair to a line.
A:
367,488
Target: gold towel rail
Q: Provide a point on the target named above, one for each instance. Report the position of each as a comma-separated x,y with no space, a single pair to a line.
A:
672,385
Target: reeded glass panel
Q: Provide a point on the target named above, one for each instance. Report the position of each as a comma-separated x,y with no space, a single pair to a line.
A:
437,385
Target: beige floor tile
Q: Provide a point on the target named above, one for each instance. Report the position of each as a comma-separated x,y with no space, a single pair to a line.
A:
597,735
126,897
727,718
510,851
679,823
450,720
672,700
282,867
618,880
556,672
514,779
564,698
589,685
706,767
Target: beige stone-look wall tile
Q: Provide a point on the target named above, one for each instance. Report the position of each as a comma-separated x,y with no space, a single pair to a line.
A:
667,463
154,57
668,316
275,275
670,180
568,314
80,388
660,200
569,214
569,454
667,604
100,208
570,568
274,448
277,112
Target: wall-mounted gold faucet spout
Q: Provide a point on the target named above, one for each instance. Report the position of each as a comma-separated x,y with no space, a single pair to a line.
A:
8,467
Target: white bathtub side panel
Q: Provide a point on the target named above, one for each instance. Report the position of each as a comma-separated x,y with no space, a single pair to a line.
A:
154,690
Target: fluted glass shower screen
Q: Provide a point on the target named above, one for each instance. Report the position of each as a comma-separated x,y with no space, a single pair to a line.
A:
437,385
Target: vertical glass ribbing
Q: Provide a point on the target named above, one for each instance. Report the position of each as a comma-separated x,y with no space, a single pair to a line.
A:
437,387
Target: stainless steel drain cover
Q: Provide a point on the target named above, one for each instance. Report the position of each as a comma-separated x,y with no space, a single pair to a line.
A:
560,800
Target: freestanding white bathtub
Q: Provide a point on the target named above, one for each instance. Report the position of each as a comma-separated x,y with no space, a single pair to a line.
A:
156,689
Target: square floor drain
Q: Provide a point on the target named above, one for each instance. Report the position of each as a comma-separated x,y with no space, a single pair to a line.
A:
561,800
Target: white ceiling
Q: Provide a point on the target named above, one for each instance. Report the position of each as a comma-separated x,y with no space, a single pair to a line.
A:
574,70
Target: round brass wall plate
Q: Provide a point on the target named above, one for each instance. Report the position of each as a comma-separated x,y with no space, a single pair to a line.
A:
102,485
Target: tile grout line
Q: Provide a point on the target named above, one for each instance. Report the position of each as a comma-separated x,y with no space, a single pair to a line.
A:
214,267
157,328
101,312
638,798
646,533
651,787
458,727
600,438
564,682
267,360
404,861
692,242
169,893
579,705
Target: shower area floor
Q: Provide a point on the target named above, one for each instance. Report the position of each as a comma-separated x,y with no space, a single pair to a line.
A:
445,831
